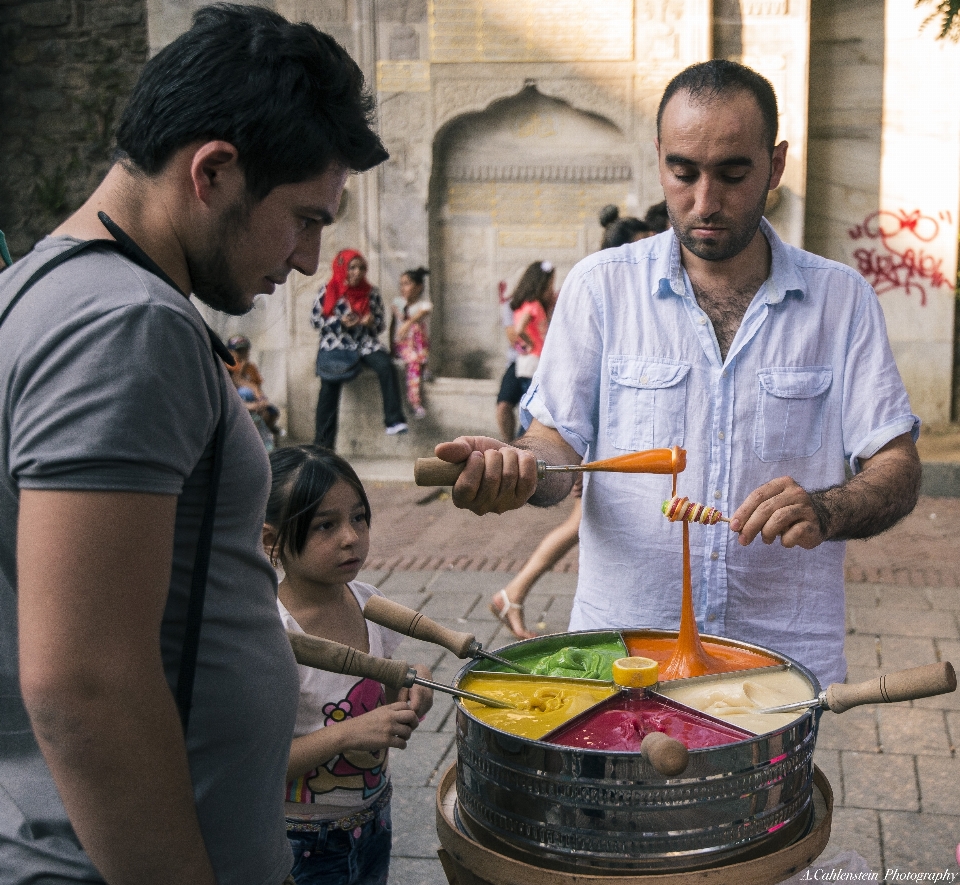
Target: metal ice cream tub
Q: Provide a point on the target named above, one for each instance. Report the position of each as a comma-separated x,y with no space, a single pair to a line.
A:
596,811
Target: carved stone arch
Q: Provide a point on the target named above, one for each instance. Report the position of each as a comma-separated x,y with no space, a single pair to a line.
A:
610,98
521,180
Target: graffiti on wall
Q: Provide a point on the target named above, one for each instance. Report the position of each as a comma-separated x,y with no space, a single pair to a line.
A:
894,255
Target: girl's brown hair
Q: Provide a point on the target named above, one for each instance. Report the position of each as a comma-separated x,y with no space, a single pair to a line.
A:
533,285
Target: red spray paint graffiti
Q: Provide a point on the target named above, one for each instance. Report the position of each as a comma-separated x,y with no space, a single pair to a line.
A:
897,259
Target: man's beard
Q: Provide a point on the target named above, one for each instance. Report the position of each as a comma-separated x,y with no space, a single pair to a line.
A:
210,273
739,236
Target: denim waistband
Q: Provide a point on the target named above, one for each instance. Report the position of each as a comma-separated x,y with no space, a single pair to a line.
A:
349,822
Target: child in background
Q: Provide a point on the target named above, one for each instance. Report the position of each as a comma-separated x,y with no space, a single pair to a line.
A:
410,341
532,302
249,382
317,530
510,393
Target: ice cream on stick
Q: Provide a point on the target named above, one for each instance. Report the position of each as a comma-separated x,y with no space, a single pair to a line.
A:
679,509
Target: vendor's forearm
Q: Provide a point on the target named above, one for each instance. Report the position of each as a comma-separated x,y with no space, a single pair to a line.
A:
117,755
547,445
884,492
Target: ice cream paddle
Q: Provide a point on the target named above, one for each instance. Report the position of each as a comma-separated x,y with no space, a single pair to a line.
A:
436,472
325,654
388,613
904,685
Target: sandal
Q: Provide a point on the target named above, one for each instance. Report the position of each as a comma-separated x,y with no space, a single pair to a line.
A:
501,606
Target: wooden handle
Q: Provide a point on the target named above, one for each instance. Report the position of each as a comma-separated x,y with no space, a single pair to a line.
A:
411,623
436,472
324,654
666,754
906,685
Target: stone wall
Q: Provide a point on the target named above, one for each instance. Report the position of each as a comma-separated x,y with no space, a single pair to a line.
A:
845,107
873,201
66,68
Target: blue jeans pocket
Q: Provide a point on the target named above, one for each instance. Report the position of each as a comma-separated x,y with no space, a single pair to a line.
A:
344,857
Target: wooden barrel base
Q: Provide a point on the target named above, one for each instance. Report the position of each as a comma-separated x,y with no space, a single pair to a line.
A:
467,862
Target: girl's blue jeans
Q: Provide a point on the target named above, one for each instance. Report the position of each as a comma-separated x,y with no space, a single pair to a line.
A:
332,856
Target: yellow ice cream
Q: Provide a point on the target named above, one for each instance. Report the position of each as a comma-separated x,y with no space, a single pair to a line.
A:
737,698
542,703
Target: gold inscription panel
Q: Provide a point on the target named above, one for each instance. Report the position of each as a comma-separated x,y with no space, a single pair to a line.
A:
532,30
403,76
532,203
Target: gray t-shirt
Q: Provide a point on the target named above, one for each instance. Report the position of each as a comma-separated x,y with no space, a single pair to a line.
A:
108,382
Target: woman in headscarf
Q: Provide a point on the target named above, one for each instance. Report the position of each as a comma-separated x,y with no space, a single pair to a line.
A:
349,315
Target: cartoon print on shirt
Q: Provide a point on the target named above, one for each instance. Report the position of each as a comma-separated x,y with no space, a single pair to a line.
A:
356,769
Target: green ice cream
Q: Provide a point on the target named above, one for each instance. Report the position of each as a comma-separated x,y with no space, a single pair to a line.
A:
583,663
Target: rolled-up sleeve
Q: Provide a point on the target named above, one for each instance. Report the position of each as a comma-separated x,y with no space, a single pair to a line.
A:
876,408
565,391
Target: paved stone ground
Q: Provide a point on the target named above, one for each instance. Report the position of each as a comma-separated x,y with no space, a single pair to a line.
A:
894,770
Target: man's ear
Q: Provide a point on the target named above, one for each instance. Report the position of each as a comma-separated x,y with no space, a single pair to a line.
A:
215,171
778,164
269,537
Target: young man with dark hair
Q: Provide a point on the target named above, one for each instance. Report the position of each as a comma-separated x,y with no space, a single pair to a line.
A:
128,460
769,365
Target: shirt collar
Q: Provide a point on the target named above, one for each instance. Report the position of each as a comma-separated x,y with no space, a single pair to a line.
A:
784,278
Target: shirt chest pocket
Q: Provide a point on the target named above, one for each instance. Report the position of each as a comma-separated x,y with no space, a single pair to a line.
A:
648,400
790,403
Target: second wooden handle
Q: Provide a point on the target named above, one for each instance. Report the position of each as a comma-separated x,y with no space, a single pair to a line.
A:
324,654
436,472
906,685
666,754
405,620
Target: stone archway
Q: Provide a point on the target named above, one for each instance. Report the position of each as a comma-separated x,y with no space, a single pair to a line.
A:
520,182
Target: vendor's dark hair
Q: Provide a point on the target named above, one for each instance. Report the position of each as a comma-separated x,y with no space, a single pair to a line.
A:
287,96
302,476
619,231
533,284
710,79
418,275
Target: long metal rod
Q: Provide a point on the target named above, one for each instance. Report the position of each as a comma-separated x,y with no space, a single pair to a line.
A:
503,661
790,708
469,695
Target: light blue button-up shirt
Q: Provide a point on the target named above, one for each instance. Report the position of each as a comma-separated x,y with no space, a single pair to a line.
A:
631,362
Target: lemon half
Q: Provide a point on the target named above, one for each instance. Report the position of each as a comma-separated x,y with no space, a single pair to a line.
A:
636,672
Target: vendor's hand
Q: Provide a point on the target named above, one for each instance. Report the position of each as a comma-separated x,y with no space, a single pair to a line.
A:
349,320
367,319
496,478
419,697
780,508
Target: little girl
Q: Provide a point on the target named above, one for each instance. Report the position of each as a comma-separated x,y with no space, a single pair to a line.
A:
408,332
532,301
317,530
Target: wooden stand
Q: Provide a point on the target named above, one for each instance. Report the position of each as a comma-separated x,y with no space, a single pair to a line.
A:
467,862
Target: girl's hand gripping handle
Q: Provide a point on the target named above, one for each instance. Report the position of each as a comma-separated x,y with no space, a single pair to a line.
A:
411,623
324,654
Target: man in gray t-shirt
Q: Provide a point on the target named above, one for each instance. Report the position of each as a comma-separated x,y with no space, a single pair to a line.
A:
234,151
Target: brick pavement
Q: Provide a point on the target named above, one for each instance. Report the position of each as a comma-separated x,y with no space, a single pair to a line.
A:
895,771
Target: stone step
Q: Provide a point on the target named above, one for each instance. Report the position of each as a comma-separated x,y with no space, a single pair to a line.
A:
455,407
